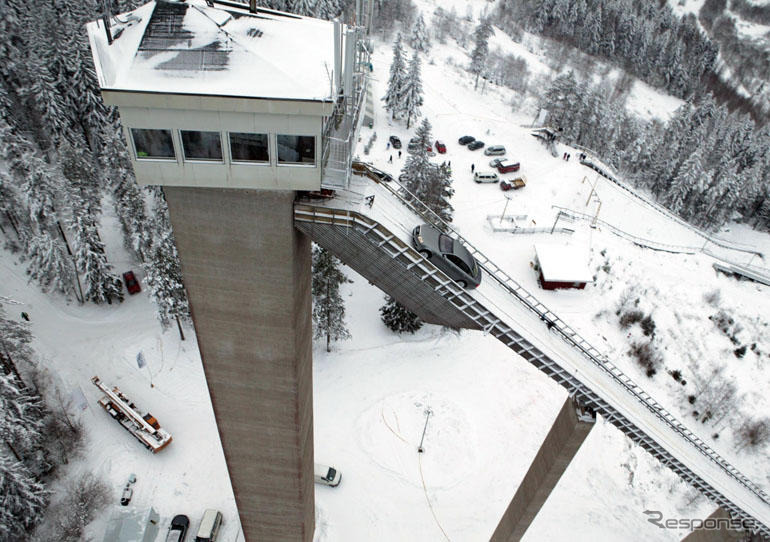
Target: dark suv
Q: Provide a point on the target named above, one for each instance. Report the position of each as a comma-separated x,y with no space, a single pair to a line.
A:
447,254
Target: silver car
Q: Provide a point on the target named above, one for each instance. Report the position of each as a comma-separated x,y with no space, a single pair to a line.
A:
494,150
447,254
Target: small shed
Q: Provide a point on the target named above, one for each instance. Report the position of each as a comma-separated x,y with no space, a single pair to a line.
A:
133,526
562,266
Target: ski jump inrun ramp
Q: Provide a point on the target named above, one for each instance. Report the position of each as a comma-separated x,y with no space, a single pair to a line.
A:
375,241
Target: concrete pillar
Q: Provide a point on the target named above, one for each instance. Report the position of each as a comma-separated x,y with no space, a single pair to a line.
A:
568,432
247,272
716,529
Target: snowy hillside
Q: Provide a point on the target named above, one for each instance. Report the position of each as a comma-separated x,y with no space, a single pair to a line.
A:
489,410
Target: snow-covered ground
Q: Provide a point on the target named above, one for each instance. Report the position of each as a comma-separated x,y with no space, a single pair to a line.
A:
489,409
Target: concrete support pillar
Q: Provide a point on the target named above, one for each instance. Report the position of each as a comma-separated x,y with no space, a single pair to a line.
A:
715,529
568,432
247,272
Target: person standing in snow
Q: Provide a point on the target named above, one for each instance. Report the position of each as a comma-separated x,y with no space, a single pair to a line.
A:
399,154
473,167
390,160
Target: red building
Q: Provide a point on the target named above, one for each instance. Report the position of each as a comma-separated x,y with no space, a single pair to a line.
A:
562,266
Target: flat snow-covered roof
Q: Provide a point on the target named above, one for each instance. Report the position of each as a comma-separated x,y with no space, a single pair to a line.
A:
193,48
564,263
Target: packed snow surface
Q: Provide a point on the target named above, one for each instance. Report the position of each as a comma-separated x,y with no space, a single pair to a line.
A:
487,410
192,48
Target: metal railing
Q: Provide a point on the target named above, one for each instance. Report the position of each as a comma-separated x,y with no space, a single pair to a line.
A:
571,337
611,175
397,249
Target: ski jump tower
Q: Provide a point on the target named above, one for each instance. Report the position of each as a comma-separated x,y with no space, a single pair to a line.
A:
232,109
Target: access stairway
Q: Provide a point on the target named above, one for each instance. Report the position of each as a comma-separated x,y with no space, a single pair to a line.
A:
374,240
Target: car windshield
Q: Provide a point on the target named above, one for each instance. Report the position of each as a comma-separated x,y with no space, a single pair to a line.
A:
445,243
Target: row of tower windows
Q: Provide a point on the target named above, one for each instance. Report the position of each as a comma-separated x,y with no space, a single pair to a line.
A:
152,144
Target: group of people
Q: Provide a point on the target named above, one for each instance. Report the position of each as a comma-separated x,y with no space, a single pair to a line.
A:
566,156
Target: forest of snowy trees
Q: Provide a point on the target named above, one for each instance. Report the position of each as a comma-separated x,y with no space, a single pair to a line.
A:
65,159
644,38
706,164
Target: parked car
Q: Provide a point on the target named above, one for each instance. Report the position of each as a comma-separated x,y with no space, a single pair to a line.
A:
328,476
132,285
464,140
125,497
506,166
440,147
447,254
371,172
396,142
513,184
494,162
485,177
475,145
495,150
209,527
178,529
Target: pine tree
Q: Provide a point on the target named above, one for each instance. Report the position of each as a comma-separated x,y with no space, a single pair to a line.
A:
101,284
306,8
481,49
420,40
163,271
398,318
411,99
690,176
328,305
328,9
396,81
23,498
15,339
429,183
49,264
21,418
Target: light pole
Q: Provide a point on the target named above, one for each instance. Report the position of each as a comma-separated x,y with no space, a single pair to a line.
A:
428,412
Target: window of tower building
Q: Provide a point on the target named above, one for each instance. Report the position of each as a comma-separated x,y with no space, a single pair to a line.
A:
248,147
296,149
153,144
201,145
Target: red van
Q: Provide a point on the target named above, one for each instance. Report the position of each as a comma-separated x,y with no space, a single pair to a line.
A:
504,166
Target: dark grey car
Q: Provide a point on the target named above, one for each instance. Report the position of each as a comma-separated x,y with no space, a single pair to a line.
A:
447,254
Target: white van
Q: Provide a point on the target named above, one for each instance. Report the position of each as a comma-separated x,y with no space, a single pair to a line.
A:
485,177
210,525
328,476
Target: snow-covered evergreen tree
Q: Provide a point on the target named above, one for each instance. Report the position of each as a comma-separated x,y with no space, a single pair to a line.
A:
21,418
49,263
690,175
411,92
429,183
23,498
101,284
480,49
328,305
163,271
420,41
302,7
398,318
395,92
328,9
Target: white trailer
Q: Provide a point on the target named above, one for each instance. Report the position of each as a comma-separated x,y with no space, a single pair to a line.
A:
143,426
